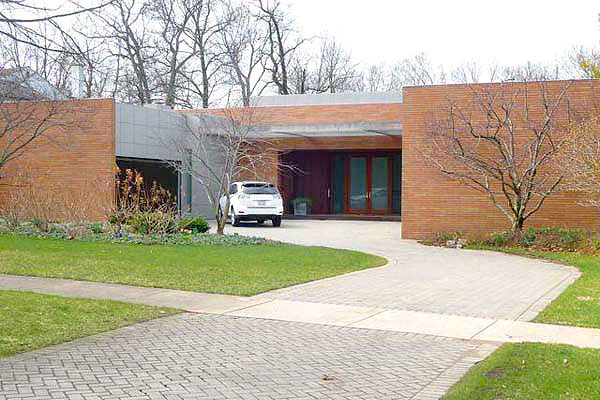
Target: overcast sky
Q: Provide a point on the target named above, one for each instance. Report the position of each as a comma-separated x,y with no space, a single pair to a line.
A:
450,32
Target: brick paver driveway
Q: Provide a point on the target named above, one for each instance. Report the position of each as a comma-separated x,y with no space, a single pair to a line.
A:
194,356
199,356
420,278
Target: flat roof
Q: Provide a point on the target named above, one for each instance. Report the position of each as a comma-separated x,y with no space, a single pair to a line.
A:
326,99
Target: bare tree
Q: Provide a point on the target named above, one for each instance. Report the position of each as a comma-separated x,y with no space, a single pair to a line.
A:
417,71
283,42
215,151
301,74
20,21
581,161
23,122
529,72
469,72
336,72
204,74
125,24
243,44
376,79
175,46
331,70
504,143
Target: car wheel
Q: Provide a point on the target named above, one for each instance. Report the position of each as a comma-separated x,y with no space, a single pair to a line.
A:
276,221
235,220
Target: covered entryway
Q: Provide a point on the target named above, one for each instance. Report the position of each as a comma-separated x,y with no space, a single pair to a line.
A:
343,182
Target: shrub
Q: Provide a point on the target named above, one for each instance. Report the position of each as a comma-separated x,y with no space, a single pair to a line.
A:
571,238
528,237
41,223
96,228
151,222
194,224
498,239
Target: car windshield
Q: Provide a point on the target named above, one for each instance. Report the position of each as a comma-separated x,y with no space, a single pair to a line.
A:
259,188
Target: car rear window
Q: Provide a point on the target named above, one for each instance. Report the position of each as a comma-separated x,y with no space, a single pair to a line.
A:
259,188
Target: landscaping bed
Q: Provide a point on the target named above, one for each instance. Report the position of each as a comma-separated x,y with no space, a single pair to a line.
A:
31,320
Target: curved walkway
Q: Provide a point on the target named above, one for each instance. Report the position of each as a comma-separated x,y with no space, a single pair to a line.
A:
420,278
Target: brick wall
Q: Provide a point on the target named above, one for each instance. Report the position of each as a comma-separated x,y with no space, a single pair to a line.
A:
69,171
323,114
432,203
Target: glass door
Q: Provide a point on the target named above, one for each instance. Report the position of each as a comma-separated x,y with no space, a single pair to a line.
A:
369,182
358,195
379,192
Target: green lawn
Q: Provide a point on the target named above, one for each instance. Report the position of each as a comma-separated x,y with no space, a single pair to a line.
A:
238,270
532,371
30,320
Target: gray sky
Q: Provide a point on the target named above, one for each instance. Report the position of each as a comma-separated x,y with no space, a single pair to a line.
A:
450,32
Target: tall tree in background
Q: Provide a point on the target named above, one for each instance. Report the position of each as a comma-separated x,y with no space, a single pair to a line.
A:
283,42
20,21
243,45
205,74
173,19
126,27
336,72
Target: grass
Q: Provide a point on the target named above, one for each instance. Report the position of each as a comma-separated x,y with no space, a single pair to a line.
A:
237,270
532,371
31,320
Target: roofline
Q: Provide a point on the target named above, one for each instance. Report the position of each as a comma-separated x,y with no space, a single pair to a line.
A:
327,99
516,82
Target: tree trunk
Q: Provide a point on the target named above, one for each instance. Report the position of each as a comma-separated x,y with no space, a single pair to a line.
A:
517,228
221,226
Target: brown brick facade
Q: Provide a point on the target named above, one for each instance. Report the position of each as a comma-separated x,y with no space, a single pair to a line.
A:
323,114
73,165
432,203
68,173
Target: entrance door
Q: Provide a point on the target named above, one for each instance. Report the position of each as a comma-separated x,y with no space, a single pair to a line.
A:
358,191
369,184
379,195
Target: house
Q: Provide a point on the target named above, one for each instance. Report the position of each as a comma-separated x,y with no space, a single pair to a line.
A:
355,155
20,84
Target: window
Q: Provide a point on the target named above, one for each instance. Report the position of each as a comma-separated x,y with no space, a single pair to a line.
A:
259,188
233,189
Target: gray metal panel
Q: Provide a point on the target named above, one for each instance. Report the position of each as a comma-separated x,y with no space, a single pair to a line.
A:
139,134
327,99
143,132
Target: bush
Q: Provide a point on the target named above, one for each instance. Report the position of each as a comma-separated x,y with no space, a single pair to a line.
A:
96,228
194,224
41,223
151,222
498,239
528,237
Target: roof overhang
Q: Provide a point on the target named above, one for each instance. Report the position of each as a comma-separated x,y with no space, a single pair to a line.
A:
390,129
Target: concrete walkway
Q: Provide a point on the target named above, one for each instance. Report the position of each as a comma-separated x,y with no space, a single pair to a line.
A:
258,307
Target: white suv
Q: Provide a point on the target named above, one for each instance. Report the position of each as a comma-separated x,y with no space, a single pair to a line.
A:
253,201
